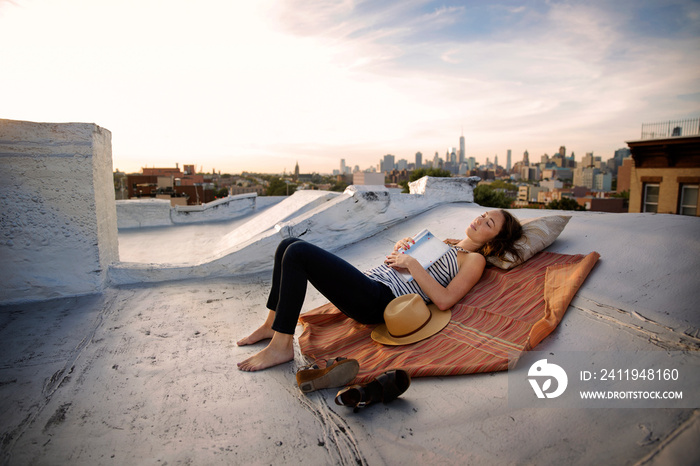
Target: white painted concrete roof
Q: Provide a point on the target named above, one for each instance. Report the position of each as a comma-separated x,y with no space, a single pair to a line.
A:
146,374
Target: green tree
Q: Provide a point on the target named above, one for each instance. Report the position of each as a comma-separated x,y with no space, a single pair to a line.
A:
487,196
278,187
436,172
565,204
502,184
223,192
339,186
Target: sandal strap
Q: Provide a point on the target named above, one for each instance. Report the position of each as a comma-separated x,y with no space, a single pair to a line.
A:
360,395
341,400
315,364
309,367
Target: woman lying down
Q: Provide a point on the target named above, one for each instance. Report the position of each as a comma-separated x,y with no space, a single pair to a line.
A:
364,296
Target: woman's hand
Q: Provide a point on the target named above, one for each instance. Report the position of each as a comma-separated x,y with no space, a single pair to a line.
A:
404,244
400,261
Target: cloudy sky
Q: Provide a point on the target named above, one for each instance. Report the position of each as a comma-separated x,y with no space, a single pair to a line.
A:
259,85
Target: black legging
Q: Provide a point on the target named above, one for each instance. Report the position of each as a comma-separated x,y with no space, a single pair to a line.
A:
351,291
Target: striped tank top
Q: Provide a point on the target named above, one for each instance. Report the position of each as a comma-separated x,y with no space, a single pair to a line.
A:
443,271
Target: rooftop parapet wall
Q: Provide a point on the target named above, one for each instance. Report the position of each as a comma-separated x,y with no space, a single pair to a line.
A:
359,213
447,188
158,212
58,224
372,209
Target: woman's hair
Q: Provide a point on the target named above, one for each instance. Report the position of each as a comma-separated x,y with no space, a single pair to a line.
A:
504,242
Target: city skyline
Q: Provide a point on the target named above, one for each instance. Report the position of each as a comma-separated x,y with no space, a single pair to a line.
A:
346,166
260,86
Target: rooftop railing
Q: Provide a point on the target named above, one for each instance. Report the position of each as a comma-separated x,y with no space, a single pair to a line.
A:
671,129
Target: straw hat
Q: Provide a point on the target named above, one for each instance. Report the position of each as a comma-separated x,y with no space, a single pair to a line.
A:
408,320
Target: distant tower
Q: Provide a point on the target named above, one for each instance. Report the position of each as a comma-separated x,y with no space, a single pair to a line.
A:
495,161
419,160
526,158
342,166
620,154
508,165
451,155
387,164
461,149
296,172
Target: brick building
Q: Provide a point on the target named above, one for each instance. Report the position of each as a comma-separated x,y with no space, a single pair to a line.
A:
171,183
666,173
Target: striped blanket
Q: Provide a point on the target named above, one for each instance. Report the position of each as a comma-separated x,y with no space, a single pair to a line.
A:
507,312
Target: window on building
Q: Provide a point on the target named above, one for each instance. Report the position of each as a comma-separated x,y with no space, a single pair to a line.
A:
689,199
651,197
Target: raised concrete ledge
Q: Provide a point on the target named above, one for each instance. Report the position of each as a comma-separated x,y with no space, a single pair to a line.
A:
158,212
58,225
367,210
336,222
431,186
217,204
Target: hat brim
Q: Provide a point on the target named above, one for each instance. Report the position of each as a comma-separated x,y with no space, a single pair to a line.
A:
438,320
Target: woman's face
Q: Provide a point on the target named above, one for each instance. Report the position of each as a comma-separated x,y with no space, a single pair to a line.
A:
485,227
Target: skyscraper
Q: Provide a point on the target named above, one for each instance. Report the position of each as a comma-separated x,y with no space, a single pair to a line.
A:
387,164
508,165
461,149
526,158
419,160
621,154
342,166
451,155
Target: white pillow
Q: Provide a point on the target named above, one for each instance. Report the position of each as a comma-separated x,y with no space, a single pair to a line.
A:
538,233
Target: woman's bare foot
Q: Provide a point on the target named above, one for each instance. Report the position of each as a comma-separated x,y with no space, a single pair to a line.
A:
279,351
262,333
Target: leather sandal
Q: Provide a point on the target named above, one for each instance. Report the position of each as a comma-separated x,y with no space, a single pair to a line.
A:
386,387
337,372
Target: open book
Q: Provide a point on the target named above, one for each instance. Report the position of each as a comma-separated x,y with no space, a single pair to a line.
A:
426,250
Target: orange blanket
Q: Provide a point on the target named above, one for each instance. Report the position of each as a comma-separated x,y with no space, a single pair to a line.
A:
506,312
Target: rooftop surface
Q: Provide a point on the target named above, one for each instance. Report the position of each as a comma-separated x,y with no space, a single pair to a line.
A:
146,374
